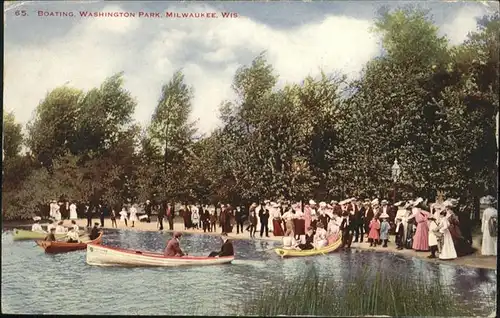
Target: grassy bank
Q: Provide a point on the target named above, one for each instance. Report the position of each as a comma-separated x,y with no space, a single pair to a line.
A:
364,293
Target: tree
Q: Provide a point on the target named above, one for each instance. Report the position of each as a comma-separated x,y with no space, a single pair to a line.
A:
12,137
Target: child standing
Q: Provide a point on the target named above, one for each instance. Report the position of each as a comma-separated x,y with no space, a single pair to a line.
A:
373,236
384,229
113,218
123,216
433,238
253,223
400,231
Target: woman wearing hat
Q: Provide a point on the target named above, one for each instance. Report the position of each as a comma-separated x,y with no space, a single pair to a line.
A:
489,227
421,238
448,248
320,239
36,227
462,247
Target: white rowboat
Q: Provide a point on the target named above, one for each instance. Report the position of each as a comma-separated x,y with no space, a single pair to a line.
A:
100,255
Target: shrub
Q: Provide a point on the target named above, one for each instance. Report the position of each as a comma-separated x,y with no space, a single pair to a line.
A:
364,293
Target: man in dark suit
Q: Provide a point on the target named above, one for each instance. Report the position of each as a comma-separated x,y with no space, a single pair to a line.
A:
358,220
264,218
238,217
161,215
103,210
148,208
89,210
346,227
170,216
226,249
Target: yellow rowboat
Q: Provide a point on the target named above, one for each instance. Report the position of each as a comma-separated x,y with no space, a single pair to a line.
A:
301,253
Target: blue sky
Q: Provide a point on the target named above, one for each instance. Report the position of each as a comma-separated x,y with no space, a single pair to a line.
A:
300,38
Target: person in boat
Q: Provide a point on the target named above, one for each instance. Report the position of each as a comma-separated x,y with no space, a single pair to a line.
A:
94,233
289,241
226,249
36,227
51,237
309,240
320,239
334,225
72,235
60,228
173,246
74,226
52,225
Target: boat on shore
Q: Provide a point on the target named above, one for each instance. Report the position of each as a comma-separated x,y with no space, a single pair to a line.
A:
100,255
22,235
56,247
330,248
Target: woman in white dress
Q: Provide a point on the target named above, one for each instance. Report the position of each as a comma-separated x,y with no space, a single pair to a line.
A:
123,216
334,224
320,239
195,216
402,214
489,242
57,212
448,248
36,227
133,214
72,212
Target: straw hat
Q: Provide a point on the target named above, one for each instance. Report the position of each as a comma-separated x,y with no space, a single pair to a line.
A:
384,216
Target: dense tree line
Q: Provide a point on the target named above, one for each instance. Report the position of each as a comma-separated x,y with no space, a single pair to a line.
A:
424,102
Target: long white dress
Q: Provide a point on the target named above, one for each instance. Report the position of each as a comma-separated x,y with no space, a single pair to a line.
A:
72,212
195,215
123,215
320,239
489,243
448,250
334,225
133,214
57,213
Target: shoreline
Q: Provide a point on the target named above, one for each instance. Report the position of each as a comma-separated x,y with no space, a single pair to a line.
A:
474,260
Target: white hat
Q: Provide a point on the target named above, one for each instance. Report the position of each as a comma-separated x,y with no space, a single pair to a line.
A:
417,201
334,202
266,201
37,218
399,203
329,206
147,201
275,205
384,216
352,199
311,202
384,202
375,202
450,203
487,200
322,204
342,202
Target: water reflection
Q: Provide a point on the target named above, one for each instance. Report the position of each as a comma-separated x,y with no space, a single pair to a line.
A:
28,275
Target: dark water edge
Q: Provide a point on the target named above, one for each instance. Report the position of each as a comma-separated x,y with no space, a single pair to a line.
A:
28,276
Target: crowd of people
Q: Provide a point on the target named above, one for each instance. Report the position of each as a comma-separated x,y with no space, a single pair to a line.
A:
70,233
416,224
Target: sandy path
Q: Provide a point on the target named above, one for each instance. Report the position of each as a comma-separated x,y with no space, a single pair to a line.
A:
474,260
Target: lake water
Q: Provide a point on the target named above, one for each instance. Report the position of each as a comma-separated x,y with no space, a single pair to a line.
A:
36,283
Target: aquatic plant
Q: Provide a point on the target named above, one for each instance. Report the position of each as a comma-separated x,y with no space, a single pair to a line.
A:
364,293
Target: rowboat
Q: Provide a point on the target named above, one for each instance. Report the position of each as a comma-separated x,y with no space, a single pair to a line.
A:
332,247
111,256
56,247
19,235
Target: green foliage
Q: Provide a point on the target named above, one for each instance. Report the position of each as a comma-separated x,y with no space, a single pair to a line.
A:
428,104
362,293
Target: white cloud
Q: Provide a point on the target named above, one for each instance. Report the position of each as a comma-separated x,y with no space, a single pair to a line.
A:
209,51
462,23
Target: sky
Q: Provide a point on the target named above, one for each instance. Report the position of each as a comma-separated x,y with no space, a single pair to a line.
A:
300,38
